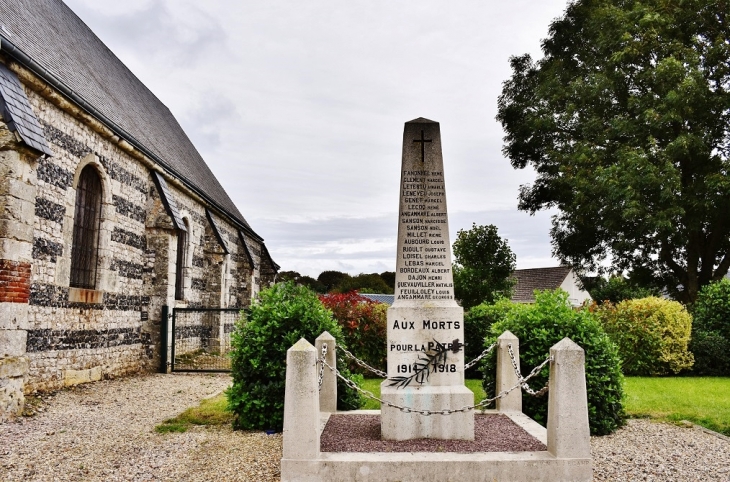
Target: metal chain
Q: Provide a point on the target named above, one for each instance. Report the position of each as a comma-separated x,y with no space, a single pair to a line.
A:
379,373
522,380
427,413
382,374
477,359
321,367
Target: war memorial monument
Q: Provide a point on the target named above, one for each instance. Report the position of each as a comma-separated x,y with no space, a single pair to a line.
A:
423,396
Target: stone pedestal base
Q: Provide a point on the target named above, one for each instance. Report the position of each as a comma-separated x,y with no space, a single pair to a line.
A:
398,425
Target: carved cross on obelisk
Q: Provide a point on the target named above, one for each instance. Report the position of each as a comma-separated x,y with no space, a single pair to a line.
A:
423,142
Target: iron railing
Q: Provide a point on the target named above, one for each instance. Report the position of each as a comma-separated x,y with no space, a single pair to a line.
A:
201,339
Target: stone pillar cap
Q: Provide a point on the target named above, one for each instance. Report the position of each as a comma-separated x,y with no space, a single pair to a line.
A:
507,335
302,345
566,344
325,336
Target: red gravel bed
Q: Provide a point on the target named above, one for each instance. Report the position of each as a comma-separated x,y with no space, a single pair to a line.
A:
361,433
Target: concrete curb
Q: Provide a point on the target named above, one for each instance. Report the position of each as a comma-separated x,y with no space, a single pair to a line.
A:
706,430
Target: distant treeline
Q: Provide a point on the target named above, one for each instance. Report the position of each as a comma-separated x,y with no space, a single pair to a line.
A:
339,282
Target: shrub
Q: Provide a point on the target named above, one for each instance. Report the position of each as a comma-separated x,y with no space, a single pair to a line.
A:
477,322
364,326
711,330
284,314
542,325
652,335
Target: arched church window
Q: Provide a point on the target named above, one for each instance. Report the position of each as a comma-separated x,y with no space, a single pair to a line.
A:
182,256
87,219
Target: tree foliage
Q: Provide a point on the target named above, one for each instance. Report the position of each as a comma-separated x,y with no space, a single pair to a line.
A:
330,279
625,119
483,264
711,330
296,277
363,283
615,289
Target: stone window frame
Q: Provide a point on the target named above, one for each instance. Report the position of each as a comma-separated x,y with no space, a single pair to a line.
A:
187,277
86,227
226,281
106,279
185,280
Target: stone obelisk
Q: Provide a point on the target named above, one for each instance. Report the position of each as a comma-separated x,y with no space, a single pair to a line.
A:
425,324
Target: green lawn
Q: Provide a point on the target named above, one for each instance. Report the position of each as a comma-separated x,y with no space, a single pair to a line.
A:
211,411
373,385
701,400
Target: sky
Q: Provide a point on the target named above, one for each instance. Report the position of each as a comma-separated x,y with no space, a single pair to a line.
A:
298,108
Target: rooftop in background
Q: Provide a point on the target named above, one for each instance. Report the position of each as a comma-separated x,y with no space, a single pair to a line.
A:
387,299
529,280
59,42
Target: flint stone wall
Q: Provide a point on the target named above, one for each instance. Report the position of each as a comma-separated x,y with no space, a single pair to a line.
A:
137,252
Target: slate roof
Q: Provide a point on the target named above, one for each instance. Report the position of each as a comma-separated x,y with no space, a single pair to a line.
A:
529,280
18,112
56,39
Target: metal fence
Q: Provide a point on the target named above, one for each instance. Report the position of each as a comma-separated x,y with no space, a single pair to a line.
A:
201,339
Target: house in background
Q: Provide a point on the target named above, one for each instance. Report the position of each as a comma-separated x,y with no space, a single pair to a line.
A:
563,277
380,298
107,212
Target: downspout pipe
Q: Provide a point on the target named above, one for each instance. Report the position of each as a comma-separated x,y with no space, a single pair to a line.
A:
9,48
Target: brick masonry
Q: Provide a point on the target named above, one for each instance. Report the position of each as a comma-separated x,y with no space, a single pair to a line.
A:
14,281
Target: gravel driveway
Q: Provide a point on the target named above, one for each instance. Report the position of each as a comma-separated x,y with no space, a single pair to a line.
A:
105,432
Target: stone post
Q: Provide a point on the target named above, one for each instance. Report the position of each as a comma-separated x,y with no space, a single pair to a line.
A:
328,393
567,424
506,376
301,403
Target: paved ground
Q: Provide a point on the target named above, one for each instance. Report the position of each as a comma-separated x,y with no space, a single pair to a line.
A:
105,432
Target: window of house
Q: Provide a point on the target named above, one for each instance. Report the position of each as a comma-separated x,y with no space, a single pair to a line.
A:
182,256
87,220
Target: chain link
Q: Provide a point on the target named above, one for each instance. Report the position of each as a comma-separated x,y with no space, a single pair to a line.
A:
427,413
322,364
477,359
522,380
349,355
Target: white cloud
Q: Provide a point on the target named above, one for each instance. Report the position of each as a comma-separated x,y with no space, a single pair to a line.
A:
298,107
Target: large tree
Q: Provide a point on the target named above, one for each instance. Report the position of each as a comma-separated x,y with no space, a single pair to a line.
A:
625,120
483,265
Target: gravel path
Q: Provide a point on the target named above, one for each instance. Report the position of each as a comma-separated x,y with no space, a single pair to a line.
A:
105,432
361,433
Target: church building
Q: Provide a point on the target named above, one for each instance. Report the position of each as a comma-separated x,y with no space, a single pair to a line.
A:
107,212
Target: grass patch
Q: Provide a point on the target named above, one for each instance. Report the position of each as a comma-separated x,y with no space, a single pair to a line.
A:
373,385
211,411
701,400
